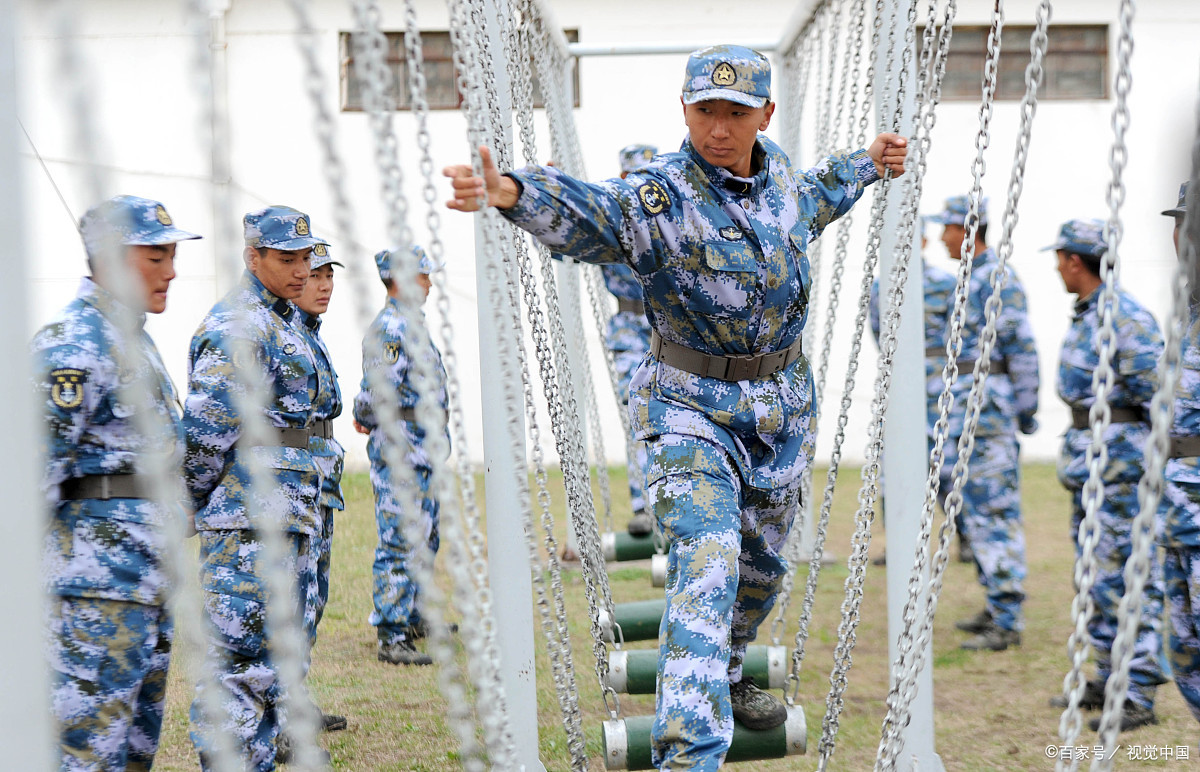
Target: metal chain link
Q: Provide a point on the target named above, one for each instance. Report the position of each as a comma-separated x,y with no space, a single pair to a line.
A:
865,515
470,595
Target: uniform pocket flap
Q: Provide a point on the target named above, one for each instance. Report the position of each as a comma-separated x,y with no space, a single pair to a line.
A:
726,256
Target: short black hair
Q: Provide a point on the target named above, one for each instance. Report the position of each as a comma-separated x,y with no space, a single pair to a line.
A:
981,234
389,283
1091,262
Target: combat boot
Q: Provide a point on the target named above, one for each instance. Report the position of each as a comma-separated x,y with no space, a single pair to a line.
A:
640,524
403,653
285,751
1092,699
994,638
755,708
975,624
332,723
421,630
1132,717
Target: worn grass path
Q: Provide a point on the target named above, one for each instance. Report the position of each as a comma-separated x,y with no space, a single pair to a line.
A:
991,709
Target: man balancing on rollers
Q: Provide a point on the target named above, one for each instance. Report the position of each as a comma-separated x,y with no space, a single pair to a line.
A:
717,234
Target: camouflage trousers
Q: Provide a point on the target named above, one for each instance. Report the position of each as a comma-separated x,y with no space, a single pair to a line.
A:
991,513
625,362
109,663
1115,542
235,602
395,589
324,548
723,574
1181,581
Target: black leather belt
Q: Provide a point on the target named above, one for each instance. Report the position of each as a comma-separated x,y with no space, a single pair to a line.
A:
1185,447
727,368
105,487
1120,415
631,306
323,429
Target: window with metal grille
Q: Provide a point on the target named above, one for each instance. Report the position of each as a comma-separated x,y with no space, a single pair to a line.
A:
441,83
1076,63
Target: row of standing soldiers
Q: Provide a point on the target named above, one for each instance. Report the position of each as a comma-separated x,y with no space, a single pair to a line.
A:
119,442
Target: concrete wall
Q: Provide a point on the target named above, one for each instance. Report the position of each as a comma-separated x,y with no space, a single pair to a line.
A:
138,70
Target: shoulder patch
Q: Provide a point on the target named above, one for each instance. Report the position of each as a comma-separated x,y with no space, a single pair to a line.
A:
391,352
66,387
654,197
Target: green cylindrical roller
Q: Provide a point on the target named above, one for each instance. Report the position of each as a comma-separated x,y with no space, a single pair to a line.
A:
639,621
633,671
619,545
627,742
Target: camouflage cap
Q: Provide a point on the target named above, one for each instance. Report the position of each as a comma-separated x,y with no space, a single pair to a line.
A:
322,258
383,261
1180,208
955,212
734,73
634,157
1081,237
279,227
131,221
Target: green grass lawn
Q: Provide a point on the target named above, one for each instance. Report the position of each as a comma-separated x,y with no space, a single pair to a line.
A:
991,708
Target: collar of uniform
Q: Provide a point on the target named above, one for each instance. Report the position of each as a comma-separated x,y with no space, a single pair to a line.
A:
982,258
723,178
106,303
311,321
1084,304
277,304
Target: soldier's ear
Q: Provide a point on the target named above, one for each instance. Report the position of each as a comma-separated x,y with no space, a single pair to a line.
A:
768,111
251,256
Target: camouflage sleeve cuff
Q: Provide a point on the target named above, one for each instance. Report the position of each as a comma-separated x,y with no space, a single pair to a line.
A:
864,167
524,210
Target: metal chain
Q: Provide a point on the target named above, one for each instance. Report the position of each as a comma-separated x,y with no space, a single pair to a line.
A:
370,64
851,70
865,515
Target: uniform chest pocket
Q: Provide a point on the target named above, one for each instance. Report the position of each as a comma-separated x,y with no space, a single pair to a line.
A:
726,282
297,378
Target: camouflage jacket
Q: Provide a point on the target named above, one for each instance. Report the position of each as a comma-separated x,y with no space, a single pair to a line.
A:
327,453
275,352
387,333
724,269
95,548
1139,345
1182,524
627,331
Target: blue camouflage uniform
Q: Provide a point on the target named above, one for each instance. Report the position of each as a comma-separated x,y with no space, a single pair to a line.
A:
327,452
1139,345
939,299
109,630
395,591
1179,525
991,506
723,267
251,330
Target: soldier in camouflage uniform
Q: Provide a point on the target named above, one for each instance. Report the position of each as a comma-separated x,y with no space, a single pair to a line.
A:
717,234
991,507
938,286
326,451
110,633
396,617
1080,248
1179,525
250,333
628,338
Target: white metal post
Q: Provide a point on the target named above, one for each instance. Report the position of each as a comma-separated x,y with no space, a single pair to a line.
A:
566,272
906,454
25,726
508,553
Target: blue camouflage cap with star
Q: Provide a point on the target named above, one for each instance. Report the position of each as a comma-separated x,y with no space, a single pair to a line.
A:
1081,237
129,220
734,73
279,227
383,261
322,258
1181,207
634,157
956,209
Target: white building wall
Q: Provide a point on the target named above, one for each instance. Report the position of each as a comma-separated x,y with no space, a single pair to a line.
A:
139,73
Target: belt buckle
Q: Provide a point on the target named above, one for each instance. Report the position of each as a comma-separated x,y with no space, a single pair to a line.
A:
741,368
105,488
